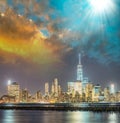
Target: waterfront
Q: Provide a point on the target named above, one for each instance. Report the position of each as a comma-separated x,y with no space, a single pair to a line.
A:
30,116
95,107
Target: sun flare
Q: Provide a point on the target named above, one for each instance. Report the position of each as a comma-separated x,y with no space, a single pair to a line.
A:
101,6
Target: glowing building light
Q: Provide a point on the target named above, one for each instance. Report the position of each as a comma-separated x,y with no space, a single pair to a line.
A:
9,82
112,88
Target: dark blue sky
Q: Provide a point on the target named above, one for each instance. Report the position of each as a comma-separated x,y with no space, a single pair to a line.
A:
74,26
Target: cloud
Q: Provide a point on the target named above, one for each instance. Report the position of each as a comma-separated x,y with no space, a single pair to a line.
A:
20,37
3,5
69,28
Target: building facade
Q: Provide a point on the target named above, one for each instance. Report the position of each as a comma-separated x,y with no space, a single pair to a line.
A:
14,90
79,70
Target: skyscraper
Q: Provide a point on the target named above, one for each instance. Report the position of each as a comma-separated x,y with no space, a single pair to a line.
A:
24,95
56,86
46,88
112,89
79,70
96,92
74,87
14,90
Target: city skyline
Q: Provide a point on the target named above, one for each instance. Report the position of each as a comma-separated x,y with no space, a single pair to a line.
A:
79,84
41,39
77,91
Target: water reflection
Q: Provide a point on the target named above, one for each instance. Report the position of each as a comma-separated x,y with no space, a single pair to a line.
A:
113,118
85,117
22,116
77,117
13,116
8,116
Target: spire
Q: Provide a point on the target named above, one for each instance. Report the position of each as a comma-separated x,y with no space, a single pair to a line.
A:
79,58
79,69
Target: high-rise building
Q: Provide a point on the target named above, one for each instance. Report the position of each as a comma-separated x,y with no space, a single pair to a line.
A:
106,94
52,89
96,92
118,96
56,85
74,87
84,83
59,89
24,95
38,96
46,88
112,89
79,70
70,87
88,92
78,87
14,90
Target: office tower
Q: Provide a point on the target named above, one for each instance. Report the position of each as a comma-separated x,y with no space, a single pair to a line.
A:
96,92
74,87
52,89
106,94
14,90
46,88
59,89
88,92
112,89
70,87
24,95
38,96
56,86
79,70
118,96
84,83
78,87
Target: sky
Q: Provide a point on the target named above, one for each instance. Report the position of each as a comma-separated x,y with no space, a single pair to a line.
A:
40,40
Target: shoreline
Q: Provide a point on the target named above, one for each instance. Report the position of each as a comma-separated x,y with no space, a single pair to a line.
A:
96,107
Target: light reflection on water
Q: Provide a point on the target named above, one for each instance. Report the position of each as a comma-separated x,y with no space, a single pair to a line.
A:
112,118
29,116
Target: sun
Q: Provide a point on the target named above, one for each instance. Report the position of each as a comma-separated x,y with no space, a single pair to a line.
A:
101,6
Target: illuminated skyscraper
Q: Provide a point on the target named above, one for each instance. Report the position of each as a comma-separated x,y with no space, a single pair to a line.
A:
74,87
88,91
96,92
24,95
106,94
79,70
52,89
59,89
56,85
38,96
46,88
112,89
71,87
14,90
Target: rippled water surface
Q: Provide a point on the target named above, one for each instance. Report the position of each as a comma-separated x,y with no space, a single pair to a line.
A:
32,116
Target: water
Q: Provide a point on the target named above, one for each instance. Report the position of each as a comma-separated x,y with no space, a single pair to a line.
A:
32,116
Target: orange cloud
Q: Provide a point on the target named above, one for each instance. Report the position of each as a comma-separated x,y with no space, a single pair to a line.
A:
21,37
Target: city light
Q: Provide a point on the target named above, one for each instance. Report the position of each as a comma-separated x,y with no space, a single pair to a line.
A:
9,82
78,91
112,88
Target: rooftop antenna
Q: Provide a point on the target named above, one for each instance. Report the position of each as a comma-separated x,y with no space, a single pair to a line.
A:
79,58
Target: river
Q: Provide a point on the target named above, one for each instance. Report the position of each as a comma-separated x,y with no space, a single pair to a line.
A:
36,116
